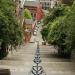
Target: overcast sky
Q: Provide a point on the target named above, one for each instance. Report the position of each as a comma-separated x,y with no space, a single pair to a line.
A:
30,0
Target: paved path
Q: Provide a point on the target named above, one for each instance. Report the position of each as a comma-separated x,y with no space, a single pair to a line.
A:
21,62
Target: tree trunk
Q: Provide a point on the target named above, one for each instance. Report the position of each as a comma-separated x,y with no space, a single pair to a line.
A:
3,50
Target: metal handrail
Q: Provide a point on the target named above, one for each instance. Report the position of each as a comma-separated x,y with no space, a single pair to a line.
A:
37,70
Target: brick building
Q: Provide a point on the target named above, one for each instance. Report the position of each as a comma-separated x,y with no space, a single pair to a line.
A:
32,6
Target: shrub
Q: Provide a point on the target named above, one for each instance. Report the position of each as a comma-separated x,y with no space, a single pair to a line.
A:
27,14
61,32
10,30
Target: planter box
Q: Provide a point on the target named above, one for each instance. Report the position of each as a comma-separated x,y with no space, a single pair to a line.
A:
5,72
43,43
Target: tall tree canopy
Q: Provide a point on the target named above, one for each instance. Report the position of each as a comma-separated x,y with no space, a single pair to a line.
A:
59,28
10,30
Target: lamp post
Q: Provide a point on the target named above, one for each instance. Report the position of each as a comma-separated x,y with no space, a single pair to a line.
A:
37,70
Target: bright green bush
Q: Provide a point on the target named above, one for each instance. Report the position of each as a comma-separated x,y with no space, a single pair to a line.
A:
27,14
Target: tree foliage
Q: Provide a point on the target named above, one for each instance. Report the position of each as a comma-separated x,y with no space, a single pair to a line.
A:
60,24
10,30
27,14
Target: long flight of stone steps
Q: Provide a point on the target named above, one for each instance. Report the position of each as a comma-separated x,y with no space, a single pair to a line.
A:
20,62
54,65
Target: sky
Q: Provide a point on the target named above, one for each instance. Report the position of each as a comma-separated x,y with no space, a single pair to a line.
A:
22,2
30,0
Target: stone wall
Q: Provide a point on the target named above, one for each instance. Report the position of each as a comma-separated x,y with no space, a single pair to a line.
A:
73,55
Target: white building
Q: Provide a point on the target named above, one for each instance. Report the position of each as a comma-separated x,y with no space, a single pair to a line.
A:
53,2
22,3
47,4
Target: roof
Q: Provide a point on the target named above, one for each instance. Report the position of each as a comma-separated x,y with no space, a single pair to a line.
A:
31,3
28,21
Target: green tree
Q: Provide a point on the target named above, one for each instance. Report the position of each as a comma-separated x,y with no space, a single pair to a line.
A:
58,29
10,30
52,17
44,33
27,14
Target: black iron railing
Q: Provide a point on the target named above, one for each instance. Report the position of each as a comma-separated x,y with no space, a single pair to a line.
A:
37,69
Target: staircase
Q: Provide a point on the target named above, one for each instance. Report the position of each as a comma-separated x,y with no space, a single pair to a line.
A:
54,65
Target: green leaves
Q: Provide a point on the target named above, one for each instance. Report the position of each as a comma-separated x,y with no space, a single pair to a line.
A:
27,14
10,30
60,24
44,33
